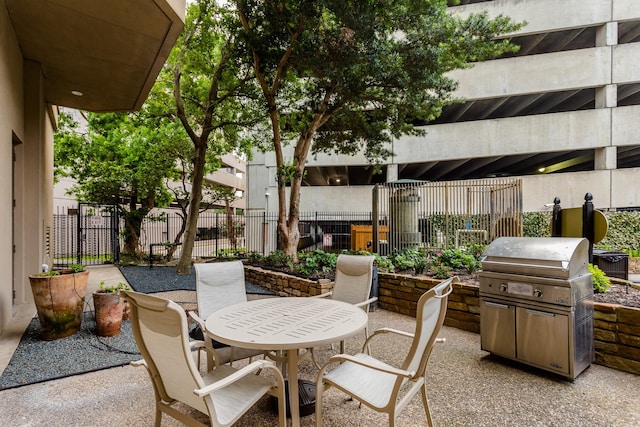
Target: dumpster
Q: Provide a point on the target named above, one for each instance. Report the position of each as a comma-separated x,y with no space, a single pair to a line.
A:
613,263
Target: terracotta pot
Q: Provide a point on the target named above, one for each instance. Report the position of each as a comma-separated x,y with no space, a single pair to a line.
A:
60,302
126,313
109,309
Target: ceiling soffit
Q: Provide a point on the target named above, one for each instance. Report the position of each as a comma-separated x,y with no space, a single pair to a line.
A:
110,51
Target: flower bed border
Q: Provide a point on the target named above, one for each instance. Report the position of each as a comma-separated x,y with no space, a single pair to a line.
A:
616,327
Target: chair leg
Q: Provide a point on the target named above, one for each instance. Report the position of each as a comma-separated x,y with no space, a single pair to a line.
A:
366,336
319,392
313,358
425,402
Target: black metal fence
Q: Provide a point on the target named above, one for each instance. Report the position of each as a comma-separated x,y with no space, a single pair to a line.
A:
86,235
92,235
430,215
329,231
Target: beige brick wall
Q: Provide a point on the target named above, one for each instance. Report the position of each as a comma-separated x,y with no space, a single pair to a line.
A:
616,336
400,293
285,285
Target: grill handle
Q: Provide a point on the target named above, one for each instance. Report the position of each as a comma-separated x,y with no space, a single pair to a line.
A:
496,305
540,313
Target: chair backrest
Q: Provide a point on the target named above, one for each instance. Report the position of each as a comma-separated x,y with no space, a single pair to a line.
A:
218,285
430,314
353,278
160,330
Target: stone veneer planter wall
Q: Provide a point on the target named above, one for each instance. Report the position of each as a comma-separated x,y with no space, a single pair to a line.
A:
285,285
616,328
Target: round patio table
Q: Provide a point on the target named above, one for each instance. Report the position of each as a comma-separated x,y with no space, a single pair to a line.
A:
288,325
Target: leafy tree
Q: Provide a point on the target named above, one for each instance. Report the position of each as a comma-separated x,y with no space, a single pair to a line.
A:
204,88
350,75
119,159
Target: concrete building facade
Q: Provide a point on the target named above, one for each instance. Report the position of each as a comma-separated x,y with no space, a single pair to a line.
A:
91,55
231,174
563,114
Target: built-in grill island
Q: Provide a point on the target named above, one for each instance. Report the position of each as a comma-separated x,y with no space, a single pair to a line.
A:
536,302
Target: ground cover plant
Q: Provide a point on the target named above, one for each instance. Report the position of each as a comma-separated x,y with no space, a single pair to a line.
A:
416,261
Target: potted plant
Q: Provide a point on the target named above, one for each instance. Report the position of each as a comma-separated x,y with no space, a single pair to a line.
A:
109,308
59,297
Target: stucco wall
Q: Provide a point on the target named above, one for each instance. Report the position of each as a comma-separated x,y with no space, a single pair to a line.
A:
11,131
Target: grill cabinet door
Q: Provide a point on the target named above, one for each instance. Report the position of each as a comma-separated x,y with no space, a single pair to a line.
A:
497,328
543,339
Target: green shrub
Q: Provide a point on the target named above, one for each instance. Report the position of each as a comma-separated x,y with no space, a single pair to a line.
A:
441,271
600,280
113,288
420,265
456,260
317,262
230,253
77,268
632,252
536,224
623,231
254,257
278,258
406,259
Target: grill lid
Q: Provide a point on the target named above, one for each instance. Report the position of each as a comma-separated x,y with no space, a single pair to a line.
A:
553,257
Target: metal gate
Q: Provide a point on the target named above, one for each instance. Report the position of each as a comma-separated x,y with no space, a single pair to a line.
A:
86,235
443,215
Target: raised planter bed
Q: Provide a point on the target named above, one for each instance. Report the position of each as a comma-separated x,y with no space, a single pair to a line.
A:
616,327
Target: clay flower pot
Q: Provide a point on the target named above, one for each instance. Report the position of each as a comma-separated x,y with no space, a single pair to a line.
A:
109,311
60,302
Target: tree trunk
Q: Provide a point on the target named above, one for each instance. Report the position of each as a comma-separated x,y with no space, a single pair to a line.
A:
133,224
289,238
184,264
231,230
183,226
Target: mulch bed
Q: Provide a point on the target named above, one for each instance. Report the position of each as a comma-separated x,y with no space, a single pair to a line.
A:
628,296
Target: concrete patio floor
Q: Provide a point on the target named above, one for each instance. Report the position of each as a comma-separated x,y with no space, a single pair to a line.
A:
467,386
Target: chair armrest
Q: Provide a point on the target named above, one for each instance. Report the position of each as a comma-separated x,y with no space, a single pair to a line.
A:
367,302
341,358
383,331
326,294
197,318
240,373
137,363
197,345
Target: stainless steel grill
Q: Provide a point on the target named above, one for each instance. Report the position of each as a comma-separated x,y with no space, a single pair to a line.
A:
536,302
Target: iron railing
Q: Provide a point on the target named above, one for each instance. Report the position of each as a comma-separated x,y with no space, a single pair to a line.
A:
433,215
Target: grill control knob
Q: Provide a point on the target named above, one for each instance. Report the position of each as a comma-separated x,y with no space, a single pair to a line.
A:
503,288
537,293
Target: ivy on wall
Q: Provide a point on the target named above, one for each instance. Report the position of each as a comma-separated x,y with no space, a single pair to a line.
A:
623,233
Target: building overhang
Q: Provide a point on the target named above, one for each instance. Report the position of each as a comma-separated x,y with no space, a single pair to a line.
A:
97,55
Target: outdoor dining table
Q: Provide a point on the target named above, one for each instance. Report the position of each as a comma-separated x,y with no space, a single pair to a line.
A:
288,324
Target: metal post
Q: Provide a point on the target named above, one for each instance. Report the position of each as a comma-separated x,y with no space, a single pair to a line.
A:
79,234
556,221
115,238
374,219
217,234
588,223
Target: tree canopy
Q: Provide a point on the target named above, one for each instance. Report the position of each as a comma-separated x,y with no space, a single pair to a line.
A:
346,76
120,159
204,86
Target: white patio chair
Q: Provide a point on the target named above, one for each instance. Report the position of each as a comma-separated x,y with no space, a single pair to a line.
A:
224,394
378,384
218,285
354,275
